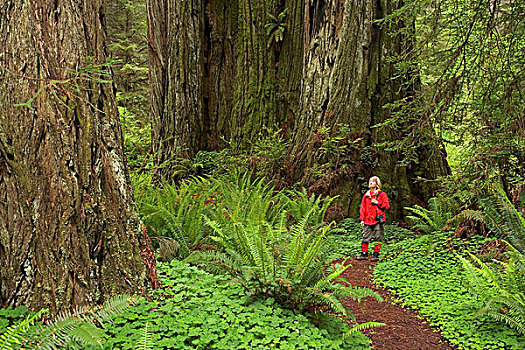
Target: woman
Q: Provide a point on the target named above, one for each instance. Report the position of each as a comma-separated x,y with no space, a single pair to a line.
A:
372,216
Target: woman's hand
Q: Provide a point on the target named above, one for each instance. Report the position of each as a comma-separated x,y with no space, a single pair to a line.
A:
374,201
362,224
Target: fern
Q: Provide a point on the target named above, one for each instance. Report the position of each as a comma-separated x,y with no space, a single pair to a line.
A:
470,215
74,330
110,309
14,335
324,282
246,199
145,342
333,302
299,204
271,260
356,293
68,331
503,219
168,247
176,211
362,327
501,287
331,293
430,220
275,29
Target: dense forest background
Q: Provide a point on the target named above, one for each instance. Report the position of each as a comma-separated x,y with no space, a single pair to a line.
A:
460,71
239,135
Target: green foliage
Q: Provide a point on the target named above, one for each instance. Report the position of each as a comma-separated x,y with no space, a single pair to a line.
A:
127,33
276,28
13,337
426,275
137,139
213,163
298,204
339,145
288,264
504,220
430,220
268,153
11,316
145,342
174,214
72,81
204,164
341,152
264,154
345,240
363,326
72,330
126,38
241,197
175,211
394,233
351,229
469,57
470,215
501,287
196,310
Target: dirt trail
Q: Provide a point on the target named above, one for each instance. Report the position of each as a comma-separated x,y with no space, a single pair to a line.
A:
404,331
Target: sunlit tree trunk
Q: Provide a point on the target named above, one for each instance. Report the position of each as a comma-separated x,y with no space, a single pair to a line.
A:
69,232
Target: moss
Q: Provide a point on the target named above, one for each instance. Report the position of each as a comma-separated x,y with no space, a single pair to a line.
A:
373,78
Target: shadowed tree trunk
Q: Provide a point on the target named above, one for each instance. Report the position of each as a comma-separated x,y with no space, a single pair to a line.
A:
69,233
179,119
325,84
212,75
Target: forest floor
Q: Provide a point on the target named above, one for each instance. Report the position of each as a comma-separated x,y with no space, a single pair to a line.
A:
404,330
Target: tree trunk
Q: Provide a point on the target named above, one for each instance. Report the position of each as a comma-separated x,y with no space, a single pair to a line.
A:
346,82
175,35
69,233
212,75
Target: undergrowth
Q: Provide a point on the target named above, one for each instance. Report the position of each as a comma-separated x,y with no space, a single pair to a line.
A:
196,310
80,329
426,274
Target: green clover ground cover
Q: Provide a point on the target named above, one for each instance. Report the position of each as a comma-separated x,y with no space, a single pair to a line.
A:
427,276
10,316
197,310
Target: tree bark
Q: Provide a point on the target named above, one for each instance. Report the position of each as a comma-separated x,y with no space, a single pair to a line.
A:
69,233
175,35
212,75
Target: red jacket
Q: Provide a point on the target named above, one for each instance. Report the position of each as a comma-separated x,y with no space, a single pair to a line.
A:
369,211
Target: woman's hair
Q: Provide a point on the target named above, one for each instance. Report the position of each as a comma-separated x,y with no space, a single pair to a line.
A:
377,181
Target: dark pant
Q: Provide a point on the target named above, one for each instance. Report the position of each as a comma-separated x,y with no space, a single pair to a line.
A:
377,231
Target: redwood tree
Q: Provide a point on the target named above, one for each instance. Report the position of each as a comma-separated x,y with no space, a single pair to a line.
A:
347,79
325,82
212,74
69,232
